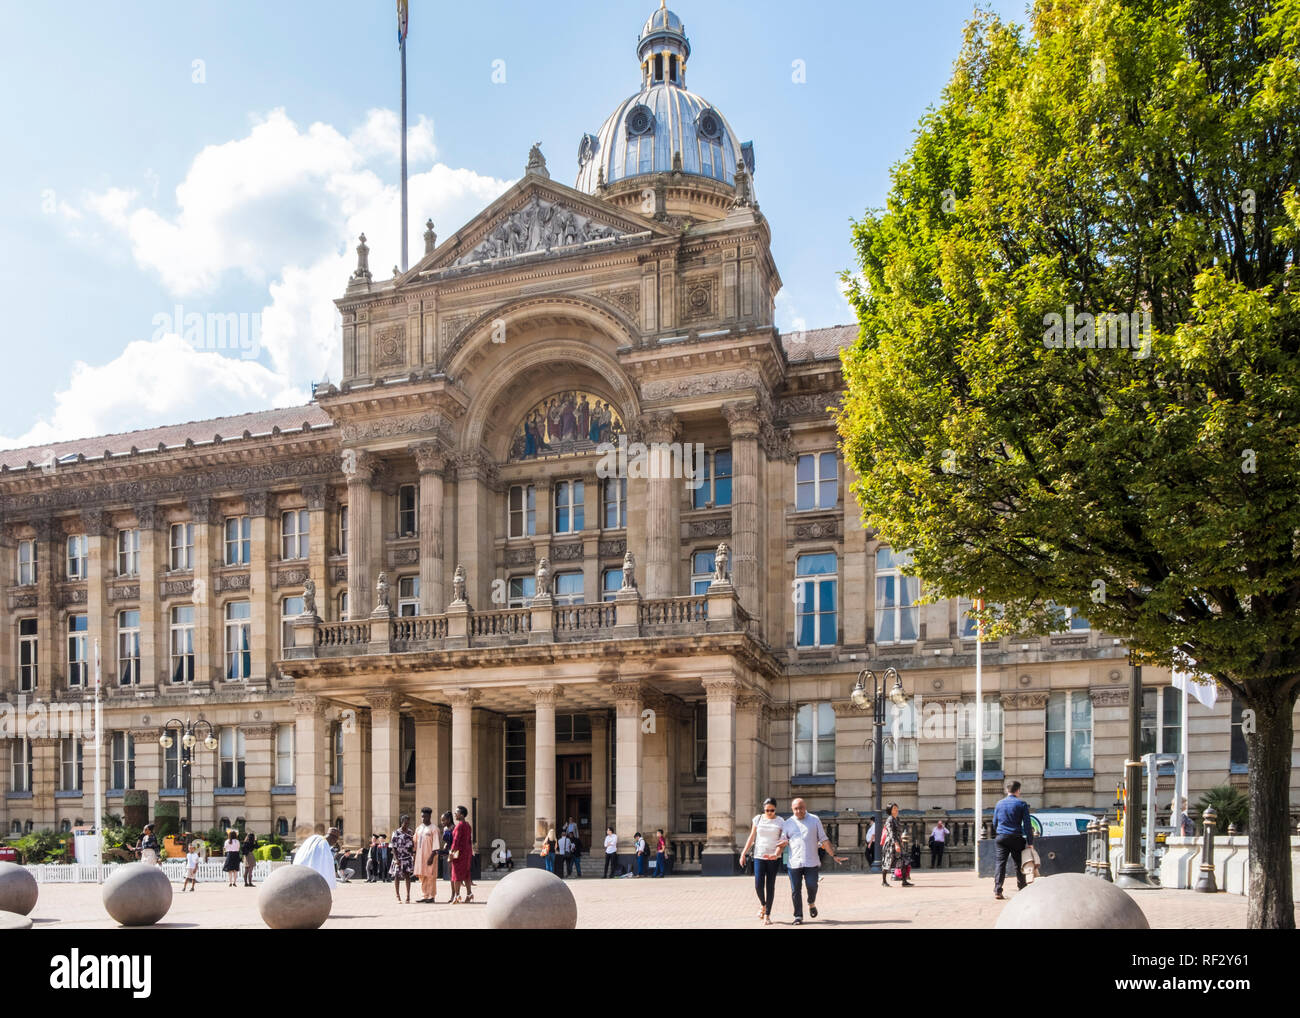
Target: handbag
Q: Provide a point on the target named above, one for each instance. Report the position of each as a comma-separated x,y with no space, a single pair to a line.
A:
546,849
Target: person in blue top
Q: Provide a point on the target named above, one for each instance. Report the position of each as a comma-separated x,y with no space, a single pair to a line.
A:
1012,832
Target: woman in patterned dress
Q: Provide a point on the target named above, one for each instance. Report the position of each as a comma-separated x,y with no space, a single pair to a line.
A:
403,845
892,847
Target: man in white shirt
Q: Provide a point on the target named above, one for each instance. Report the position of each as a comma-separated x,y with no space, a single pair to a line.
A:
806,835
871,844
611,853
565,851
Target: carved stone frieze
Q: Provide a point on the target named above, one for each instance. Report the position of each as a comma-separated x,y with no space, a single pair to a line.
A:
814,529
1025,701
406,556
431,423
339,574
230,581
808,404
1109,697
611,549
295,577
124,592
628,299
23,600
571,552
520,556
720,527
537,226
703,384
177,588
73,595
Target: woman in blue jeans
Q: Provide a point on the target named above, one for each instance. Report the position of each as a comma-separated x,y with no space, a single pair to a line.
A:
767,838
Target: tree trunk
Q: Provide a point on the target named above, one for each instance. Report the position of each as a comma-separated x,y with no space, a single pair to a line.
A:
1271,906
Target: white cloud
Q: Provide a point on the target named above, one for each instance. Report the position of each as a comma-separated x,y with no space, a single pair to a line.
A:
381,135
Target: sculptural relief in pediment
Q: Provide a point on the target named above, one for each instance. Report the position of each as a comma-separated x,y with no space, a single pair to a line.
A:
538,226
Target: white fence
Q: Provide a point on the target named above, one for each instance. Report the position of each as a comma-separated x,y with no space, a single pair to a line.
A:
209,872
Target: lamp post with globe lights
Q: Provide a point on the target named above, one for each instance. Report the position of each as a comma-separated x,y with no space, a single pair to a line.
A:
187,731
875,699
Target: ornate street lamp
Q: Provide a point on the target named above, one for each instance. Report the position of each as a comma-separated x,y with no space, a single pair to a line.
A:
876,701
188,732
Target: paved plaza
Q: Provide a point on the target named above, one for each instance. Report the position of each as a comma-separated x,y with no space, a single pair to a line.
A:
944,900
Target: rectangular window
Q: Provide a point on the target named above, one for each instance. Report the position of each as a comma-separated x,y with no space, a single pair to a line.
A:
230,750
294,530
182,546
122,759
701,739
78,557
817,481
343,530
26,562
343,606
336,754
715,487
284,754
900,739
568,588
896,594
239,540
128,552
408,596
172,777
568,506
70,759
611,582
816,618
522,590
128,647
572,727
28,656
1073,623
78,660
1162,721
407,511
614,501
239,630
290,609
814,739
702,566
1239,755
21,758
523,510
992,740
516,763
406,744
182,644
1069,731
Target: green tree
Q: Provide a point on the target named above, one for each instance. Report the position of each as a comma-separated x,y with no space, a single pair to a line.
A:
1128,157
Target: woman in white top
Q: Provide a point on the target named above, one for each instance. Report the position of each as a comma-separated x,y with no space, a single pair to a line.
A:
767,838
231,848
611,853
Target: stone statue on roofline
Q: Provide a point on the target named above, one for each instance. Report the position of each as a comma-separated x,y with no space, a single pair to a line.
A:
382,604
720,559
458,584
309,597
543,577
629,571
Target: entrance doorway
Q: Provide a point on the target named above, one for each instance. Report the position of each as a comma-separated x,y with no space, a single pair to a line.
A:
575,795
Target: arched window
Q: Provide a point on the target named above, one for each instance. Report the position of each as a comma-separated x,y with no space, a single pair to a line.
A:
66,826
281,827
16,827
225,823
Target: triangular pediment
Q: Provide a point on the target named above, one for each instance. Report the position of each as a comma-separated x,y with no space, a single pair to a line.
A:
534,219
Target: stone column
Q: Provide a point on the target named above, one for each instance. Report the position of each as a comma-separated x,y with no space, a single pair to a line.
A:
627,765
358,467
544,768
385,756
719,856
429,728
599,778
432,461
662,491
749,779
309,766
209,545
744,420
318,498
477,526
259,775
153,623
462,746
655,778
264,527
357,815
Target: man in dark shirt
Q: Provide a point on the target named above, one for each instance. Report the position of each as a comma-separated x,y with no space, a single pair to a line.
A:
1012,832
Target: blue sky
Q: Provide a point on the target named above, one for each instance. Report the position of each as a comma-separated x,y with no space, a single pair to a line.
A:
222,156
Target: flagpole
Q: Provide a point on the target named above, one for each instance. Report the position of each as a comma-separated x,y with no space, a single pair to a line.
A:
99,762
979,735
404,238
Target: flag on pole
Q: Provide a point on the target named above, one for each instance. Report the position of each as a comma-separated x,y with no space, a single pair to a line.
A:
403,11
1206,693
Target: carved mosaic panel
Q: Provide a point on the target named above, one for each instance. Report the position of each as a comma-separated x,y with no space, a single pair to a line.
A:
699,298
389,346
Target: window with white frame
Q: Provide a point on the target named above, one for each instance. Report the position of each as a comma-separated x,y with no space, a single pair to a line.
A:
900,739
814,739
515,763
290,609
29,662
897,617
172,777
78,659
1069,730
343,606
522,590
295,527
568,588
122,760
21,759
128,552
715,486
182,546
26,563
407,511
230,755
78,557
1238,750
336,754
611,582
1162,720
408,596
1073,622
817,600
239,634
343,530
284,755
128,647
702,566
992,741
614,502
70,760
817,481
182,644
523,510
569,506
701,738
239,540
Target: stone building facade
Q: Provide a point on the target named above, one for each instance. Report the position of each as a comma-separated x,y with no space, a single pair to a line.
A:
433,585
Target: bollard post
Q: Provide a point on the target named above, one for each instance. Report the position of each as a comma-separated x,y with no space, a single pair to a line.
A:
1206,882
1103,835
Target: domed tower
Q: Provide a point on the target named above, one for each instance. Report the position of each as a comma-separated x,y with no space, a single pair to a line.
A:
665,149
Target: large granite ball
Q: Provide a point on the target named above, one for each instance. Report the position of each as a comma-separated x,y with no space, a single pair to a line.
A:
137,894
1072,901
532,900
14,921
18,889
294,898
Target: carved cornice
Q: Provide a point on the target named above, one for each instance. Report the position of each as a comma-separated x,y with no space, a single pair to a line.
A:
432,423
782,711
744,419
705,384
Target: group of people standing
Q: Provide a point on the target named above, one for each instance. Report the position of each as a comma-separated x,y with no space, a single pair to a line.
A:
563,855
417,853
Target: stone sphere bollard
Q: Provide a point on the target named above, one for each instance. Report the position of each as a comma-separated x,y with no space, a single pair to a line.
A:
1071,901
532,900
137,894
14,921
294,898
18,889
